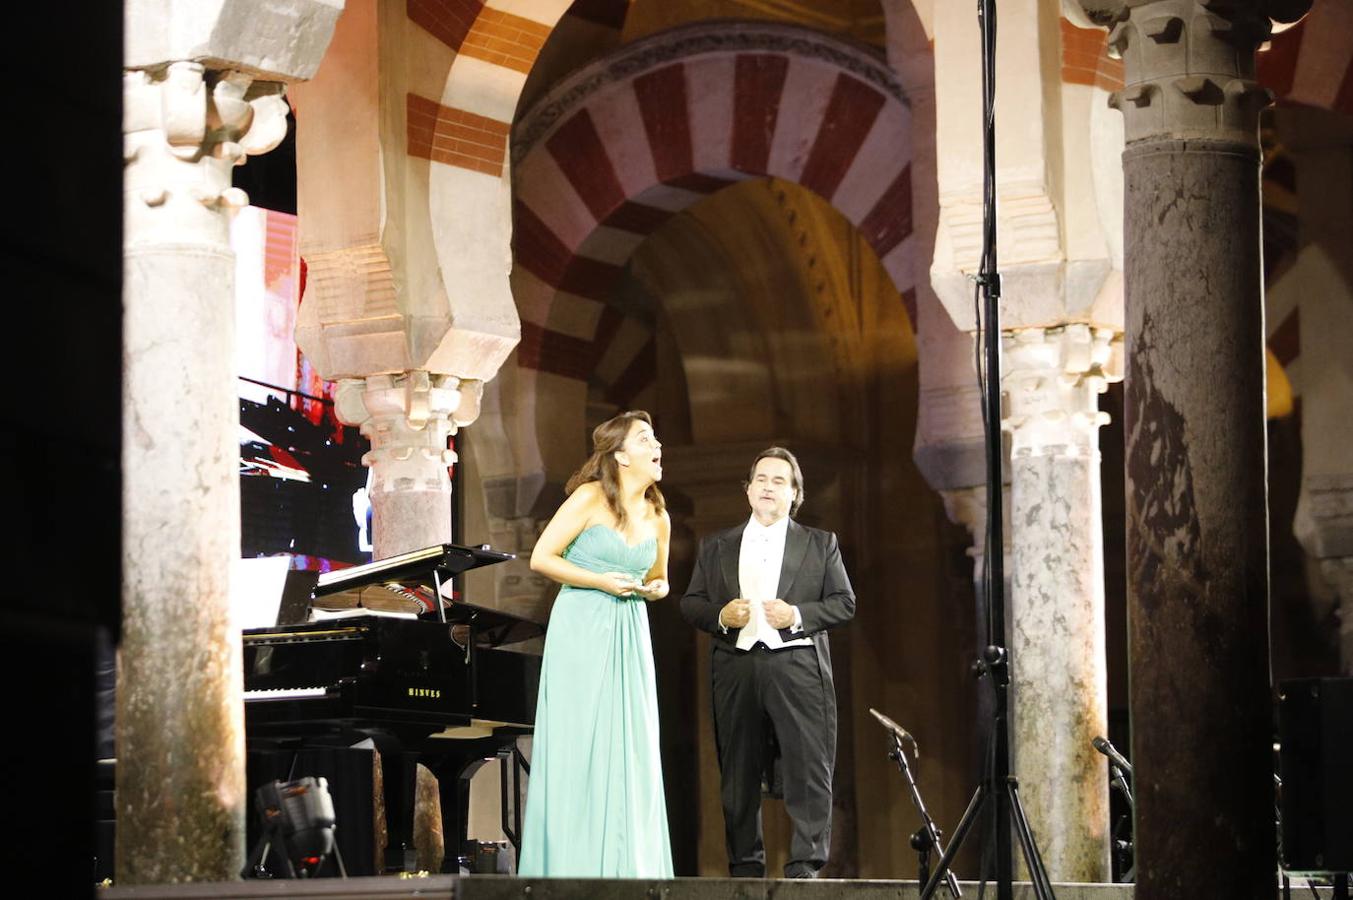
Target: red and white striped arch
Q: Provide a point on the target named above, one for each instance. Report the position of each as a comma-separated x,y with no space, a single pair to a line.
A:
1311,63
465,123
626,143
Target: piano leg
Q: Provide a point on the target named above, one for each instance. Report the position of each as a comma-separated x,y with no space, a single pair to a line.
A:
399,774
428,837
455,766
512,763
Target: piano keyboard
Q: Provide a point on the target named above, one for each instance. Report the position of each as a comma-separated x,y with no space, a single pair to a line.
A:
285,693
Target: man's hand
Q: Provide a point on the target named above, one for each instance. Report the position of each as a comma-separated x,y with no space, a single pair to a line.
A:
735,613
779,613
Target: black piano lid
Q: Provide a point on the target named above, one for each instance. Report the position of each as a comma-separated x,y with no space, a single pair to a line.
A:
415,567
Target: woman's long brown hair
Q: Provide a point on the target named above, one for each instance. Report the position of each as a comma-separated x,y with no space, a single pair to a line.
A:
607,438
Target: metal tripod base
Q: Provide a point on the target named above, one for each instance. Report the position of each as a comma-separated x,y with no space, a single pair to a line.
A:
1038,874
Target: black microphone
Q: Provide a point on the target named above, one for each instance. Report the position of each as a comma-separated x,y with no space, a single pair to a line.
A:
898,731
1108,750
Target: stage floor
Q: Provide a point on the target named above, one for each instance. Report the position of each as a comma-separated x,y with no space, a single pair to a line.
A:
494,887
498,887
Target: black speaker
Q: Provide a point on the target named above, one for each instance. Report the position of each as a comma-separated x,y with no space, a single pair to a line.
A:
1315,734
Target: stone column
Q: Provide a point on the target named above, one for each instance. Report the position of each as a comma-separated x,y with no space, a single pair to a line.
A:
409,419
180,732
1194,421
1062,292
1052,380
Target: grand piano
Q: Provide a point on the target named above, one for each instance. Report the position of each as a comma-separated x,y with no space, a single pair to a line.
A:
400,663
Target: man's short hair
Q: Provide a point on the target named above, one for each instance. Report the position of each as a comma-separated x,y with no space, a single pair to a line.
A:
796,474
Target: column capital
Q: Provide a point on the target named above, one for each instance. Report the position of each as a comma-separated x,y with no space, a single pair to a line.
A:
408,418
184,128
1189,67
1051,379
199,111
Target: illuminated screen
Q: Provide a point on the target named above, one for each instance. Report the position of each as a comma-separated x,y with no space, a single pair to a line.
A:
302,483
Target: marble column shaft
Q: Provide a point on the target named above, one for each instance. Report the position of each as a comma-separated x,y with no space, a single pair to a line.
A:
1052,379
1197,534
180,737
1197,537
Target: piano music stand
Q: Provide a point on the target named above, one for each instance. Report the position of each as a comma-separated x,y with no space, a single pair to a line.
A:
440,561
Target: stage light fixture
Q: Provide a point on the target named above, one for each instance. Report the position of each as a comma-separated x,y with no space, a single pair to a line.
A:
297,816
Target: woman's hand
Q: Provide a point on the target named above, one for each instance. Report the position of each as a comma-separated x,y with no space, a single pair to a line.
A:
653,590
618,584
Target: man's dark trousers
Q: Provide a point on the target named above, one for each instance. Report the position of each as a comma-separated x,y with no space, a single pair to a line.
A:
788,692
762,690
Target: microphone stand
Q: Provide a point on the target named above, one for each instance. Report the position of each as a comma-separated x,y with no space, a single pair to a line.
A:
1117,780
998,785
1119,770
927,837
1118,766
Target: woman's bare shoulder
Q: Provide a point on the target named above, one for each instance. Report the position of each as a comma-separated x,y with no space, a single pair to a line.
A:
587,501
588,495
588,489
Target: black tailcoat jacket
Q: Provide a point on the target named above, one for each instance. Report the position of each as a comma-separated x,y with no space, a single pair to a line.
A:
812,577
786,689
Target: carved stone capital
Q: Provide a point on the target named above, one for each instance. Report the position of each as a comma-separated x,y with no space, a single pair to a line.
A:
184,128
408,419
1052,378
1189,69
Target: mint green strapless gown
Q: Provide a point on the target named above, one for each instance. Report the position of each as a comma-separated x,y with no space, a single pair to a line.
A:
594,799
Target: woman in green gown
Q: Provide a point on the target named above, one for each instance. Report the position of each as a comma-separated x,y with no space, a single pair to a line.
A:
594,800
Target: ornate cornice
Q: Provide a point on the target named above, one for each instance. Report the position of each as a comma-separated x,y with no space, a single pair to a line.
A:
692,41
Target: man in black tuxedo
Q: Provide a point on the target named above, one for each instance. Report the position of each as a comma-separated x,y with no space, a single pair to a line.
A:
768,590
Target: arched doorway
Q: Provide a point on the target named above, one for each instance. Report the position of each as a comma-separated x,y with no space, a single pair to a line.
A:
715,223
